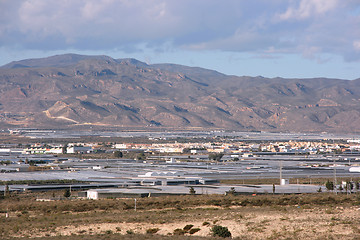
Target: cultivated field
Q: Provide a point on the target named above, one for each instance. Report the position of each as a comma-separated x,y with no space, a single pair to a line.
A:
312,216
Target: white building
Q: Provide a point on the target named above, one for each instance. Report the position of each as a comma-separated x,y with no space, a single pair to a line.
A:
79,149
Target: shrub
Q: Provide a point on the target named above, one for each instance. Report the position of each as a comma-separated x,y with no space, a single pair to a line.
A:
67,193
231,191
188,227
118,154
152,230
329,185
220,231
179,231
194,230
130,232
206,223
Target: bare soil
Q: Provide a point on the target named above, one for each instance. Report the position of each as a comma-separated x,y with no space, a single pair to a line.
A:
322,216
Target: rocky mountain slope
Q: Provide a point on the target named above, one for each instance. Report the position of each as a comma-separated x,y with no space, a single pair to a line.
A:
75,91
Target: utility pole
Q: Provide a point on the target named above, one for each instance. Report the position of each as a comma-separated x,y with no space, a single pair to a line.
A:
6,190
335,176
280,171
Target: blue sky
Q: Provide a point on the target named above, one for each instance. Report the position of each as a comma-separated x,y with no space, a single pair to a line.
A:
285,38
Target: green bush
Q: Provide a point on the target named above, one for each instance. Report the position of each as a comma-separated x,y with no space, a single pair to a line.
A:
220,231
67,193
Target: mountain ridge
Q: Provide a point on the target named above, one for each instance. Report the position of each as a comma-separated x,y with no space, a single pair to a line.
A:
70,90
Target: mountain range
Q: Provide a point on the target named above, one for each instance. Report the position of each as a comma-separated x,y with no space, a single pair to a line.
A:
76,91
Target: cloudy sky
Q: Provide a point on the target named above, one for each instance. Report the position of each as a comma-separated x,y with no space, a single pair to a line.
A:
286,38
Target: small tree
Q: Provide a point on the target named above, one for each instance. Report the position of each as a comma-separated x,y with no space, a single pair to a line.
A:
329,185
216,156
231,191
273,188
192,191
351,186
141,156
186,150
220,231
118,154
346,187
64,149
67,193
6,190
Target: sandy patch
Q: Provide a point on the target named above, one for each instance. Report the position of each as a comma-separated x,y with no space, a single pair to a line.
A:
343,223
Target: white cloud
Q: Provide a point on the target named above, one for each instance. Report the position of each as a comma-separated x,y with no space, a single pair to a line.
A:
306,27
356,45
309,8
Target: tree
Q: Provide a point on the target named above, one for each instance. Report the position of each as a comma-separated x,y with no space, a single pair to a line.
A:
216,156
118,154
6,190
64,149
220,231
329,185
357,185
141,156
231,191
186,150
351,186
192,191
337,151
67,193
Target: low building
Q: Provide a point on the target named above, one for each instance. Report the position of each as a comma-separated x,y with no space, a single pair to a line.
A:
43,150
79,149
118,193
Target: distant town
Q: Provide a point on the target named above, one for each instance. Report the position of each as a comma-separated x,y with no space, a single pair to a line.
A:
206,162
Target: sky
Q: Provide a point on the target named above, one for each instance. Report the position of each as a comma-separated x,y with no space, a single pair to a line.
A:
270,38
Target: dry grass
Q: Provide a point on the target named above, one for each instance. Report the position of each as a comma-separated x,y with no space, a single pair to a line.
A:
315,216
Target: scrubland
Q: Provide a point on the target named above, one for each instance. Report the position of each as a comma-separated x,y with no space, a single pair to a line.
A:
312,216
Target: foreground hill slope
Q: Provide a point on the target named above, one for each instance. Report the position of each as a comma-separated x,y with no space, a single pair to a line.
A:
75,90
